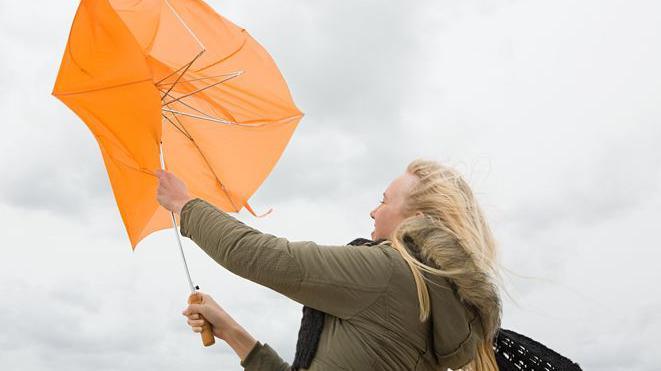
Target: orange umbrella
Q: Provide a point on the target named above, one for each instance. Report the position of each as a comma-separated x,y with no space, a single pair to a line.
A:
171,83
174,74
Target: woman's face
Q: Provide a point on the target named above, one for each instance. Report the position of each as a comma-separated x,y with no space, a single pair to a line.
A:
390,211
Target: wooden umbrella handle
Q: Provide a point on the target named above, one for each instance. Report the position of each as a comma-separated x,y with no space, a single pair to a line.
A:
207,334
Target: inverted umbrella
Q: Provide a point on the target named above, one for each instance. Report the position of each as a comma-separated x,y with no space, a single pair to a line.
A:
141,72
174,78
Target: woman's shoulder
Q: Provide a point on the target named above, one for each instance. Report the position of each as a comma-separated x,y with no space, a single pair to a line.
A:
401,272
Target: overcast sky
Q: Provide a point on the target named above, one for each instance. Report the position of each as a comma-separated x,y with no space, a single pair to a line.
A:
551,109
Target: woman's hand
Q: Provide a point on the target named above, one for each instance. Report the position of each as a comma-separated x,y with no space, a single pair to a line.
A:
172,193
222,324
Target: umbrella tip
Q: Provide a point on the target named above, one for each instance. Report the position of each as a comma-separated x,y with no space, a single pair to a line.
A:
250,210
265,214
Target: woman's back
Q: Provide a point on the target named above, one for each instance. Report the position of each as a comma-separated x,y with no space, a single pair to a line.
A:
386,334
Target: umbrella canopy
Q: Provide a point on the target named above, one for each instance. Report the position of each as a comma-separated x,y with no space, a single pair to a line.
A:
174,74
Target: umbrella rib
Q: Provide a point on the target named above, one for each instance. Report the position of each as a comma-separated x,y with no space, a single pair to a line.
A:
181,125
197,110
204,78
170,75
203,88
182,74
212,119
189,106
206,161
194,109
180,99
91,90
225,122
224,111
177,127
207,118
185,25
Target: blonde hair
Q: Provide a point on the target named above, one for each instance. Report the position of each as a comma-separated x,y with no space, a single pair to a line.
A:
454,237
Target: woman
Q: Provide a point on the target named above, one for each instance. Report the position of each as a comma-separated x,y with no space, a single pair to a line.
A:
423,298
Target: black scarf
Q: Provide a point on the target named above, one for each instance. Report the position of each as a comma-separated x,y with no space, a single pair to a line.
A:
312,324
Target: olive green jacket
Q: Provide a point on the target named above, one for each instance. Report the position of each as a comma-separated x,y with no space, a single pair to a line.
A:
367,292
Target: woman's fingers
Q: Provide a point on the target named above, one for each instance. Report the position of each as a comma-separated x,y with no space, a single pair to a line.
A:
207,310
193,309
195,322
193,316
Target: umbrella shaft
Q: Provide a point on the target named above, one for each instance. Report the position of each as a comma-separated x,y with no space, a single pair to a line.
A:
193,288
181,250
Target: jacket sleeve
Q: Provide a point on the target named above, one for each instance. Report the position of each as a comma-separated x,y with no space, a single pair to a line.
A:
264,358
339,280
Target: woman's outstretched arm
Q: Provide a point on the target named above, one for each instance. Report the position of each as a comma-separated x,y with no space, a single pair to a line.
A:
340,280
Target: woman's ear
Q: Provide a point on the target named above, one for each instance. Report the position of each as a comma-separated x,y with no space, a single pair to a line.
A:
419,213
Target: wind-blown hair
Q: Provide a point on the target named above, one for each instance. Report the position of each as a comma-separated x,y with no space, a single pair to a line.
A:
456,241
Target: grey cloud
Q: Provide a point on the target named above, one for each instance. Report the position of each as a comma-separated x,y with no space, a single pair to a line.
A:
77,326
50,161
619,179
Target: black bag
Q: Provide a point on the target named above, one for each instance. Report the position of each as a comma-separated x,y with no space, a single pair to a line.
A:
518,352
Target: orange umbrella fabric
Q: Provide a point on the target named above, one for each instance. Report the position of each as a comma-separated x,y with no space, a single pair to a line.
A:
174,73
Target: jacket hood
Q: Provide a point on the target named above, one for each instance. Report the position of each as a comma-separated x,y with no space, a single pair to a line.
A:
456,329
